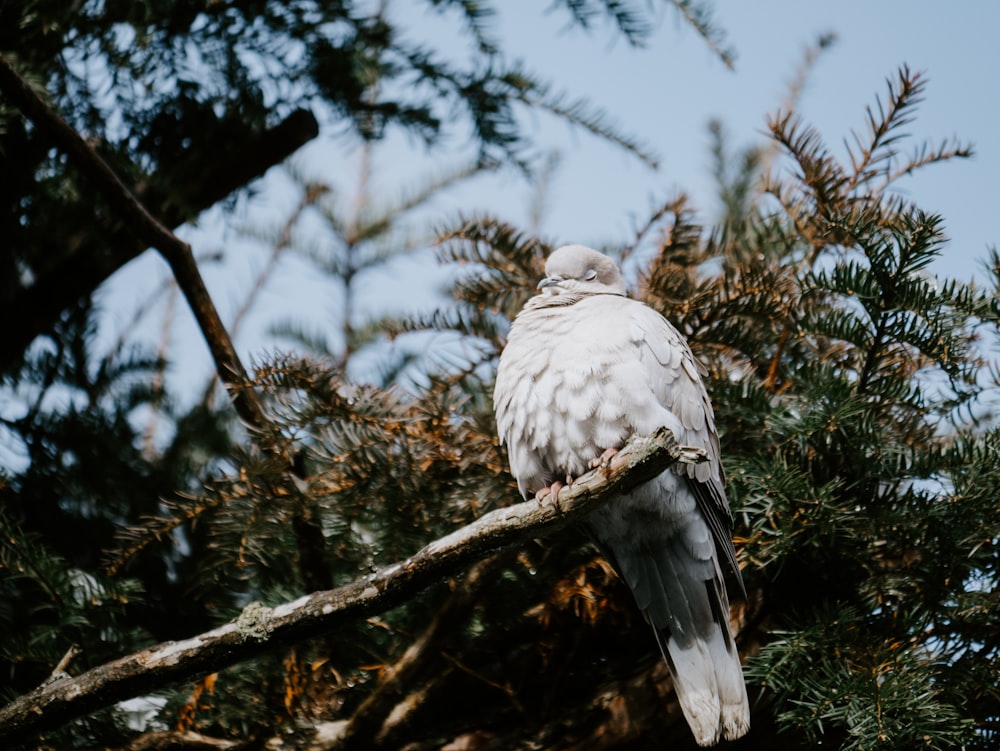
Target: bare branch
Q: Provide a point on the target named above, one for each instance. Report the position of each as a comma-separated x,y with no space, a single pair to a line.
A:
147,228
260,628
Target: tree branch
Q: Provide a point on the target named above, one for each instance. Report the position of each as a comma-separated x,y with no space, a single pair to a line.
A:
260,628
82,268
150,232
176,252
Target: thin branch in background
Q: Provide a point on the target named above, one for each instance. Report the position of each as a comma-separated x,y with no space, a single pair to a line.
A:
698,13
673,206
149,448
503,688
352,238
632,25
540,196
579,112
796,87
311,194
925,156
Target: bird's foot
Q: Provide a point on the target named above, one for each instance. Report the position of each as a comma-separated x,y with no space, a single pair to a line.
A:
603,459
552,491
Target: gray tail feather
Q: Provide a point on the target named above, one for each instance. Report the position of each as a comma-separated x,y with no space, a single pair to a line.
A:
684,600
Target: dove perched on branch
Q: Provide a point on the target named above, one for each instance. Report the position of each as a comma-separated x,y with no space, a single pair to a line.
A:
584,369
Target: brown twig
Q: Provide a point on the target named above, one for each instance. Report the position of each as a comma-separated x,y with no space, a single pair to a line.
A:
503,688
311,194
368,720
71,654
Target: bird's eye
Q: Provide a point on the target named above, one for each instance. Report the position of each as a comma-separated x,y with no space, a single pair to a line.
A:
590,276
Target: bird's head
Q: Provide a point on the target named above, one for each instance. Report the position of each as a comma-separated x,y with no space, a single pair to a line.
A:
578,270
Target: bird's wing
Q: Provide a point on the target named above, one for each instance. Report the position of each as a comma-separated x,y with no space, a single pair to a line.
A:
675,376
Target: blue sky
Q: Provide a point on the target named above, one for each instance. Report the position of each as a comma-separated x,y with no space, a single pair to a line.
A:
667,92
664,94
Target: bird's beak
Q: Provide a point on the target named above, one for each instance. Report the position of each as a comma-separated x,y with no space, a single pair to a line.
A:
551,281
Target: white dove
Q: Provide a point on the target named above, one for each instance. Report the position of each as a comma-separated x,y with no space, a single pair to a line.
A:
584,369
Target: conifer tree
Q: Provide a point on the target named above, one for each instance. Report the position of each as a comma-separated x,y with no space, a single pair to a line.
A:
853,391
186,104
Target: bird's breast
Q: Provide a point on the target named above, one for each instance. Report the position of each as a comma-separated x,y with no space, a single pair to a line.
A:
566,390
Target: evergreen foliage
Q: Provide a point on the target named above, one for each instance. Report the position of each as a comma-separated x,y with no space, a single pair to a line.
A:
79,472
361,238
855,393
852,388
188,102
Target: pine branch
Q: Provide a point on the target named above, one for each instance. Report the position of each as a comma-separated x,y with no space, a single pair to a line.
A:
182,263
924,156
477,17
579,112
699,14
259,629
176,252
632,25
884,126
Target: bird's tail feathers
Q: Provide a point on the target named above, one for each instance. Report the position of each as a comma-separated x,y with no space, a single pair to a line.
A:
684,600
709,685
